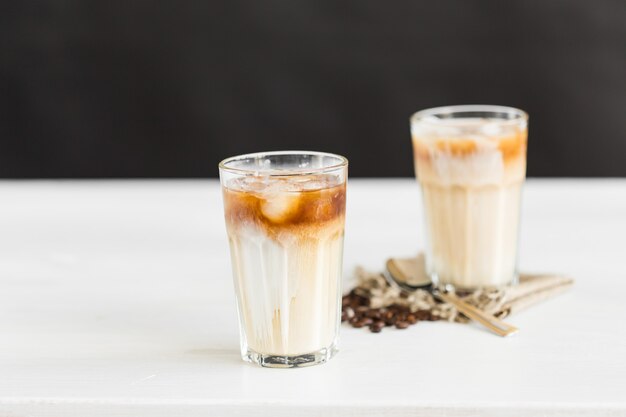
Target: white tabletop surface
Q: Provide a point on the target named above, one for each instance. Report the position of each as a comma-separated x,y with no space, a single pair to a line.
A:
116,299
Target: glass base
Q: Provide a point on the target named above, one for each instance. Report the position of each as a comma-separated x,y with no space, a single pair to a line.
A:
298,361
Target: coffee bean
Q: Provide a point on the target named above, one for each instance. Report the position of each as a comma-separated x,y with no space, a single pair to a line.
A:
390,320
361,310
373,313
357,300
357,312
377,326
357,324
422,314
430,316
402,325
362,322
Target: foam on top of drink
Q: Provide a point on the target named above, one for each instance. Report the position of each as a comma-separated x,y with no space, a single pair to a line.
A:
278,202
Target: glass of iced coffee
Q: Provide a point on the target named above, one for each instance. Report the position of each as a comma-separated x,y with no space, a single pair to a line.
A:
285,216
471,164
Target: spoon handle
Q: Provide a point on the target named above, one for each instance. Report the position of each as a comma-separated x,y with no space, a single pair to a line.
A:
491,322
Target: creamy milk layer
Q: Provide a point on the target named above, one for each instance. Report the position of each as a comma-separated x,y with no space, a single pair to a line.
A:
286,242
471,187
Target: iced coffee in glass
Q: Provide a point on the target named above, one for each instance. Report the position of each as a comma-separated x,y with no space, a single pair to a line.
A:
284,216
471,163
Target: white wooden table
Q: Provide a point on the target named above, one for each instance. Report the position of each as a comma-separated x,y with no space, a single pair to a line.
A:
116,300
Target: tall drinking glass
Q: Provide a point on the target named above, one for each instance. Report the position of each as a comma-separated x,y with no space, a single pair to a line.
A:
285,216
471,164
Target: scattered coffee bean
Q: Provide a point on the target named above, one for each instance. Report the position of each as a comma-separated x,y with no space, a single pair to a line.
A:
373,314
357,300
361,310
357,312
377,326
402,325
367,321
432,317
357,324
422,314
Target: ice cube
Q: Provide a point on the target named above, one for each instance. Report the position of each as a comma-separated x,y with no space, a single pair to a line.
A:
280,206
253,183
491,129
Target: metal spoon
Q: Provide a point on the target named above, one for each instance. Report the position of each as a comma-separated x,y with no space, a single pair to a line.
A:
408,274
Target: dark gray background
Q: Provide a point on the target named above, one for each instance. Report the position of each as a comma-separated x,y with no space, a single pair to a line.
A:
167,89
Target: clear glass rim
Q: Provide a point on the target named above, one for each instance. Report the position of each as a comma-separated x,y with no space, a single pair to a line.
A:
429,115
342,162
